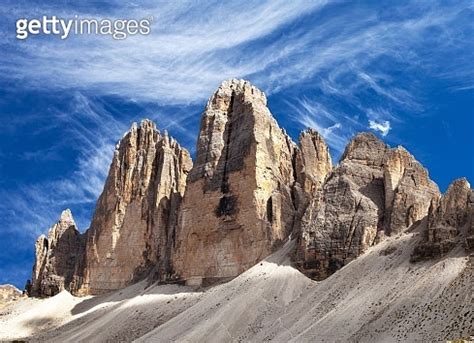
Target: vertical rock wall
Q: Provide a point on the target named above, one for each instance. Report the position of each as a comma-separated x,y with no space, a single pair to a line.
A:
375,191
250,189
57,257
450,221
135,215
313,165
237,206
344,217
408,191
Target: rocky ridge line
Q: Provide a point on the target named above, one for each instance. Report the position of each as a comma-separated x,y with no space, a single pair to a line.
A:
251,187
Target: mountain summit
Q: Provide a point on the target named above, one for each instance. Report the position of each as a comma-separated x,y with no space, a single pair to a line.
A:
250,189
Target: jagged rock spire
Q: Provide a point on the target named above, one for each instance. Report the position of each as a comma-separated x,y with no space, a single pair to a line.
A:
134,218
375,191
57,257
450,221
313,161
238,204
249,190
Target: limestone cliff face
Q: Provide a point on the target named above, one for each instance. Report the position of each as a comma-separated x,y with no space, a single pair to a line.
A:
450,221
313,161
57,258
344,217
374,191
250,189
408,191
135,216
313,164
244,196
238,204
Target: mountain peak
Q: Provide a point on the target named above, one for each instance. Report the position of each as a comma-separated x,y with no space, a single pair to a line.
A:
66,217
366,148
250,189
234,89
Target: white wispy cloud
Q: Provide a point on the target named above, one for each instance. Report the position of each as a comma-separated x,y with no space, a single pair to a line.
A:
329,130
383,127
193,47
310,114
278,45
183,60
91,133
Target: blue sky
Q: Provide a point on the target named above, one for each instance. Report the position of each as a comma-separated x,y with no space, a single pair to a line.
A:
404,71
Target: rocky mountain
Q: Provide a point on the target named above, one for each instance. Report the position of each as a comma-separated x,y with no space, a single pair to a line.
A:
313,165
58,258
250,189
450,222
242,199
373,192
9,293
133,227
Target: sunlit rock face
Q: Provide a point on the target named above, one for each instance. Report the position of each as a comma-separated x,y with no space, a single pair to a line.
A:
344,217
374,191
313,165
57,258
313,161
408,191
134,221
9,293
239,204
450,222
250,189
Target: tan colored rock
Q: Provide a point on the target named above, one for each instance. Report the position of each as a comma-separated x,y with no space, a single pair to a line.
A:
374,192
238,204
133,225
453,206
408,191
57,257
343,220
249,190
313,161
9,293
312,166
450,221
